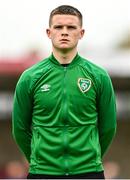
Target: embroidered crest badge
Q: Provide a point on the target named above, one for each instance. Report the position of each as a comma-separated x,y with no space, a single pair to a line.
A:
84,84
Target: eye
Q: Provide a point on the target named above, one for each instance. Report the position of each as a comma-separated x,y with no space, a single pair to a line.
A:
58,27
72,27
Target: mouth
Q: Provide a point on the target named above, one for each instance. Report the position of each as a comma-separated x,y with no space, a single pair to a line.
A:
64,40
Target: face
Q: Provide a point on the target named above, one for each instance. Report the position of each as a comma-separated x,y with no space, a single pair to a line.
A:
65,32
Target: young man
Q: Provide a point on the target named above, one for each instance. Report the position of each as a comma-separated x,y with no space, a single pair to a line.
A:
64,114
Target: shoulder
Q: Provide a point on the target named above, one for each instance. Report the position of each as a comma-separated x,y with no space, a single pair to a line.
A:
93,69
31,74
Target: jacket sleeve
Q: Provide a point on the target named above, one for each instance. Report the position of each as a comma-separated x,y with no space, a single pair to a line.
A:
22,117
106,113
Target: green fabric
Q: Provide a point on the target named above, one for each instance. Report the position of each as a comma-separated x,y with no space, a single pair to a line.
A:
64,118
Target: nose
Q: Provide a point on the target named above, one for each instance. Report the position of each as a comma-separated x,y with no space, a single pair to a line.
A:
64,32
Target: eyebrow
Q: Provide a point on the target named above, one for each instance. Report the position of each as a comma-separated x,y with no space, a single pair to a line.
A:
60,25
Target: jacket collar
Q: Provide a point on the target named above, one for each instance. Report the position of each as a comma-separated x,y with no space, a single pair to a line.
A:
75,60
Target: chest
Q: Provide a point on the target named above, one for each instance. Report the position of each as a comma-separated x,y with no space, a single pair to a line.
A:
73,87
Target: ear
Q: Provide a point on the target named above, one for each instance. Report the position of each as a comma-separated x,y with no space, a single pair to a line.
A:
81,33
48,33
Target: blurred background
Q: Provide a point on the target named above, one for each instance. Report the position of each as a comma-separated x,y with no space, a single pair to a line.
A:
23,42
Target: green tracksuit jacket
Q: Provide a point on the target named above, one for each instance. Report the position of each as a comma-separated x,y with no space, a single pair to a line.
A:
64,118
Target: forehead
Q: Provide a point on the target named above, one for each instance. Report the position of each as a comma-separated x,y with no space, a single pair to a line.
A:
65,19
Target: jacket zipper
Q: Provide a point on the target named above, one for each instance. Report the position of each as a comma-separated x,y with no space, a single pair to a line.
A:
65,140
64,98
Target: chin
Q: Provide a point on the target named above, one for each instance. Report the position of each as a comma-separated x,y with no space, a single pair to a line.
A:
65,47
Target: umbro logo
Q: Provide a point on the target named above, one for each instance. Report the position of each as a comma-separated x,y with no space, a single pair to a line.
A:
45,87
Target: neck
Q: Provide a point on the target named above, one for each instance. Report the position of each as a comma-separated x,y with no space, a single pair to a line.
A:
64,57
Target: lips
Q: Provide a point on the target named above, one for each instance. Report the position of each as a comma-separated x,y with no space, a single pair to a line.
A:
65,40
